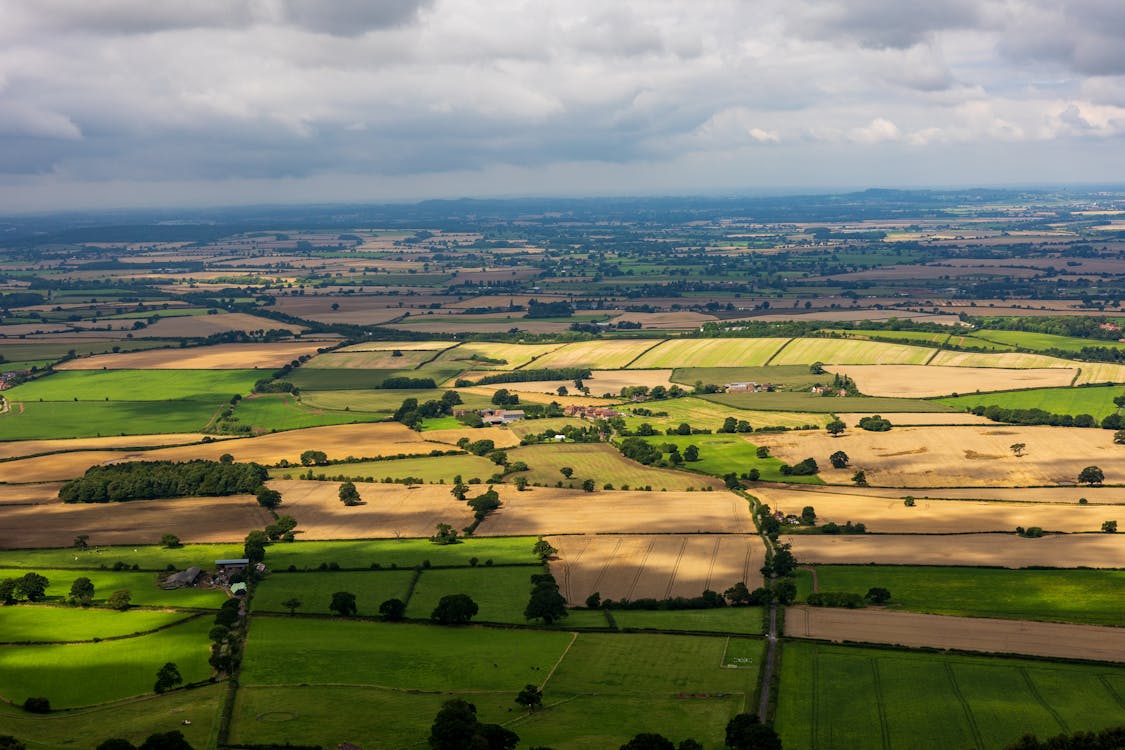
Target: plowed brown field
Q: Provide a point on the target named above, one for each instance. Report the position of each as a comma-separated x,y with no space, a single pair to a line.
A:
965,633
29,494
14,448
662,566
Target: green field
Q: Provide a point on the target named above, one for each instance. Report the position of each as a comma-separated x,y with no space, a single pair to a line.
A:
600,462
722,454
747,620
136,385
428,468
403,553
1085,596
732,352
149,557
142,585
133,720
14,351
789,377
921,338
501,593
850,352
41,624
852,699
324,379
1042,341
380,401
1095,400
813,402
282,411
45,420
315,590
703,414
81,674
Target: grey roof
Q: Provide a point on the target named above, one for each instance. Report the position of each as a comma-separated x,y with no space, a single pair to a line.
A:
239,561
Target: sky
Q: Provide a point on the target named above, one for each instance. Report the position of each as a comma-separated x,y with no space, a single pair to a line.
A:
121,103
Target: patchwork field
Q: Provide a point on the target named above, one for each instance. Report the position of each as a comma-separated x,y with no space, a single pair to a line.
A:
547,510
957,456
915,381
1101,372
501,593
600,382
1006,360
389,510
610,354
217,357
314,590
891,515
634,567
134,385
850,352
841,698
1004,550
476,354
602,463
1050,639
193,519
710,353
48,420
372,360
1096,401
17,448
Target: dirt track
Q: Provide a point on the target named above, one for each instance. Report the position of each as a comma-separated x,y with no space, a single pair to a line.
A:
878,625
1006,550
659,566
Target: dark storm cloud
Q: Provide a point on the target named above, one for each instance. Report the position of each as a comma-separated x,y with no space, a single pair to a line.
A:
1084,36
884,23
352,17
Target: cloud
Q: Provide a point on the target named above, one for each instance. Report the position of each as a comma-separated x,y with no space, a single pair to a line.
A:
878,130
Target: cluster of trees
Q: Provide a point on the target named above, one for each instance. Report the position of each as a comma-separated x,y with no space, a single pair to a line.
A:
1107,739
411,413
800,469
30,587
656,393
314,458
743,732
730,424
349,495
226,642
530,375
640,450
874,423
403,382
557,309
1041,417
173,740
504,397
147,480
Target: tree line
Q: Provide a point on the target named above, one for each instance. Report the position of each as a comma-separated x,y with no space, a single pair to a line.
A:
148,480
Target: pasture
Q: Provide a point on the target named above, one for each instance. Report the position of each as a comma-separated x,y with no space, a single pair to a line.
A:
722,454
600,382
50,420
703,414
734,352
40,624
1100,372
135,385
100,556
742,620
850,352
1033,340
476,354
501,593
343,379
81,674
314,590
382,401
395,359
1096,401
854,698
915,381
818,403
402,553
142,585
600,462
20,448
282,411
1092,597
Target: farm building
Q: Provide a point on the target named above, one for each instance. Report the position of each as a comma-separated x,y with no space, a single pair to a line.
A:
182,579
501,416
590,412
230,567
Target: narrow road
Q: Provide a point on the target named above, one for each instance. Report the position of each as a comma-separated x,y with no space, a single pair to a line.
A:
771,660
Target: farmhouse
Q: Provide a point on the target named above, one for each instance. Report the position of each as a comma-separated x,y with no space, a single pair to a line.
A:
589,412
501,416
750,387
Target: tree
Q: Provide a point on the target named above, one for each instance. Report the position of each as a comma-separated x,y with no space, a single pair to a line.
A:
81,591
393,610
546,603
254,546
520,483
311,458
1119,437
785,592
456,727
167,677
530,697
226,458
835,427
543,549
444,534
683,429
1109,527
32,586
562,390
839,460
649,741
116,743
738,594
292,604
691,453
588,485
594,600
730,424
808,515
1018,449
746,732
268,498
454,609
349,495
37,705
567,472
120,600
1091,475
459,489
860,478
82,541
877,595
8,742
170,541
174,740
343,604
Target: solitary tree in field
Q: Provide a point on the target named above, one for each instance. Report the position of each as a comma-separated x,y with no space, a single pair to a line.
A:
839,460
170,541
120,599
393,610
543,549
860,478
567,472
82,541
167,677
349,495
81,591
444,534
1091,475
1109,527
877,595
292,604
343,603
835,427
454,609
808,516
268,498
531,697
1018,449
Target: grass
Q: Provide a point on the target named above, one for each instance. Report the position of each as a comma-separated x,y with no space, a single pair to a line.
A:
382,401
325,379
598,461
75,419
149,557
501,593
1043,341
812,402
429,468
315,590
734,352
841,697
291,651
747,620
441,423
1083,596
791,377
1095,400
282,411
136,385
605,354
37,623
142,585
850,352
921,338
82,674
55,351
704,414
133,720
514,355
404,553
722,454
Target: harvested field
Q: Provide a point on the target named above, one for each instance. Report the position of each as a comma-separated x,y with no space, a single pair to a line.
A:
682,320
389,510
549,510
29,494
16,448
918,418
611,354
193,519
1101,372
891,516
877,625
600,382
602,463
402,346
371,360
512,355
533,396
1007,360
711,353
218,357
916,381
1093,495
634,567
850,352
1005,550
502,437
58,466
199,326
975,456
